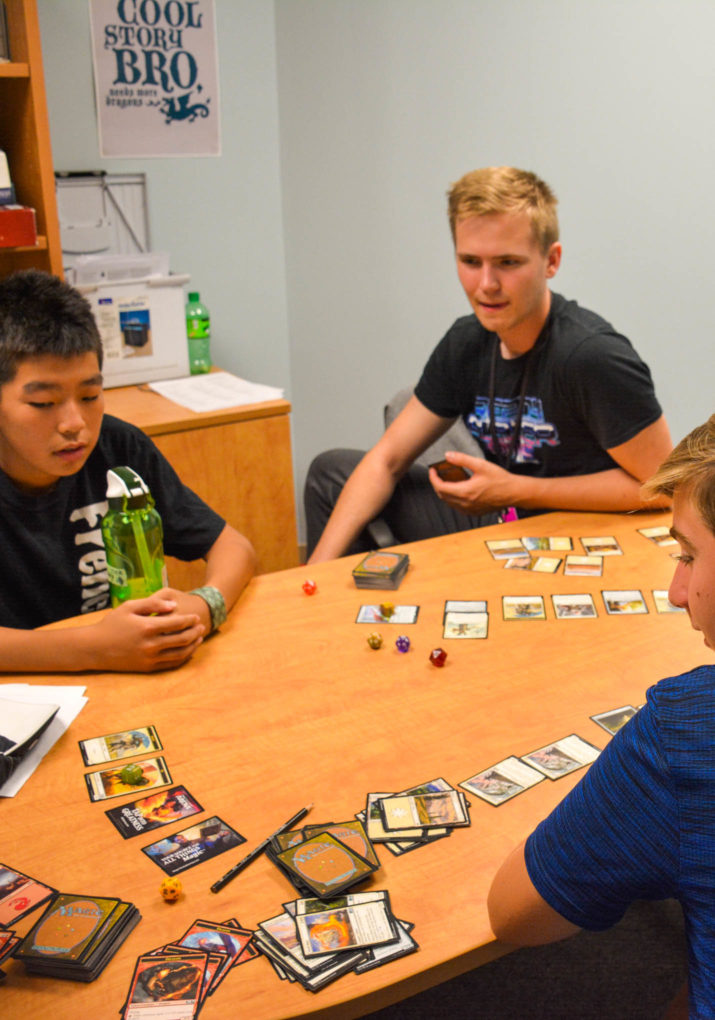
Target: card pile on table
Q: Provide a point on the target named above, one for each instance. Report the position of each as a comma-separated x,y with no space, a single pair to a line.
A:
76,936
407,820
326,859
381,569
316,941
176,979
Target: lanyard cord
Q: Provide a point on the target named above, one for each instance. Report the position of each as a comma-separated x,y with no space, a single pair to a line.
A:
507,461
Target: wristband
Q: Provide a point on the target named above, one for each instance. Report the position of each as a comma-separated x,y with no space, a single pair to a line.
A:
215,601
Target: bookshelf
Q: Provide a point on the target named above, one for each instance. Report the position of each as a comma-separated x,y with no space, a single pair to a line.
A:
25,138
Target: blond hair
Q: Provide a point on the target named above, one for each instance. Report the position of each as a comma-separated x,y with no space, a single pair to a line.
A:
689,468
505,189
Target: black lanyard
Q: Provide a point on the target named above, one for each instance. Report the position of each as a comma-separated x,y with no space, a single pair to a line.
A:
502,460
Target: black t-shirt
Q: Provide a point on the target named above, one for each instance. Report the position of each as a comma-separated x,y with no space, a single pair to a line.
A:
587,391
53,563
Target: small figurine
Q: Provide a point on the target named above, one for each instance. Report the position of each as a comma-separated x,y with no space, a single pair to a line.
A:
387,609
132,775
402,643
310,587
170,889
374,640
437,657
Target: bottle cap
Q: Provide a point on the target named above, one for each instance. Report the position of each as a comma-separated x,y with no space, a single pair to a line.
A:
194,296
126,489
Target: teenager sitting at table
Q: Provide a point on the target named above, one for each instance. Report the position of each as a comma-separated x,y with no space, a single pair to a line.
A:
560,404
56,446
641,823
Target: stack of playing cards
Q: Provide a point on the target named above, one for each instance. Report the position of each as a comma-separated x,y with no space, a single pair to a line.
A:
324,860
381,570
407,820
77,936
316,941
8,943
174,980
19,895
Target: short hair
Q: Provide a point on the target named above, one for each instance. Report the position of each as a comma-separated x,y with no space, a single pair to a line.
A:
41,314
505,189
690,468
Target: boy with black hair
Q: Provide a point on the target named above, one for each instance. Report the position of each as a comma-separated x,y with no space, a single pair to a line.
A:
56,446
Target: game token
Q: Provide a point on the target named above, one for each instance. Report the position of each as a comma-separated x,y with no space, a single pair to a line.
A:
402,643
310,587
437,656
387,609
374,640
170,889
132,775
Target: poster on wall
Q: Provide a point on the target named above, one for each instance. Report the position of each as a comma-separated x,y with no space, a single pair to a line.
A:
156,77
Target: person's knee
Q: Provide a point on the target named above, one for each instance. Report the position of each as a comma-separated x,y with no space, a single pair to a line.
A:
332,467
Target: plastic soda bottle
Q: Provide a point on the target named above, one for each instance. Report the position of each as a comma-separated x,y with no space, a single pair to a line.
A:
198,332
133,538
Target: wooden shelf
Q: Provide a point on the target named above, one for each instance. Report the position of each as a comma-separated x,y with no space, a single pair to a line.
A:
25,139
14,70
21,249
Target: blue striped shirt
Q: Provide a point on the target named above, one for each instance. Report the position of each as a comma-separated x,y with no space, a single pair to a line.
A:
641,825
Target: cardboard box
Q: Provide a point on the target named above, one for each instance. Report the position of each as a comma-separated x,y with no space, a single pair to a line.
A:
142,322
17,226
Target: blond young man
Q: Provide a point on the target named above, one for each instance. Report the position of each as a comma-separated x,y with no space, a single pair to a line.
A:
561,405
56,446
641,823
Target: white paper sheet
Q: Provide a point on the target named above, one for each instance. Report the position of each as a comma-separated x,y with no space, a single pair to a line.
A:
214,391
71,701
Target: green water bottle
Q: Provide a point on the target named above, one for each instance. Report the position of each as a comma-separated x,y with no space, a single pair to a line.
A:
198,332
133,538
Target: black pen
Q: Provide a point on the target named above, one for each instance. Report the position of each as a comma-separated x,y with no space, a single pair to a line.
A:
257,851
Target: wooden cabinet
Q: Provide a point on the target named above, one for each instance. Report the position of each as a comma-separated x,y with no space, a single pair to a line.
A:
25,138
238,460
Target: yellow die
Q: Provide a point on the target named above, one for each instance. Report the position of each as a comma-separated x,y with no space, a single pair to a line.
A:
170,889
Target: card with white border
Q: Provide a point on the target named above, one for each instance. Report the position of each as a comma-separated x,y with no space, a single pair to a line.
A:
625,602
523,607
545,564
465,625
601,545
505,548
662,602
548,543
561,757
583,566
465,606
518,563
501,782
400,614
574,607
660,535
615,719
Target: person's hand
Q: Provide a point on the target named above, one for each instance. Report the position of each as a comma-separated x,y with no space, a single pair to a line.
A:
489,488
144,635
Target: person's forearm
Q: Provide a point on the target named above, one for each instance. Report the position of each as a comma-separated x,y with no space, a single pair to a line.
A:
230,565
64,650
365,493
613,490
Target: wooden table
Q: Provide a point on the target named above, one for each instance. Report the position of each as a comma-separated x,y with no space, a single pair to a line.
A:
288,705
237,459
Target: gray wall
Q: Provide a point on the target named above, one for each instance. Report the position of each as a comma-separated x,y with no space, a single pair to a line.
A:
319,238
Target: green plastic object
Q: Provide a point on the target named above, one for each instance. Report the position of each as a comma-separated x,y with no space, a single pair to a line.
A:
133,538
198,332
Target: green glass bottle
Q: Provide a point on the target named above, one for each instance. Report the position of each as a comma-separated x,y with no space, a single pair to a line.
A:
133,538
198,332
